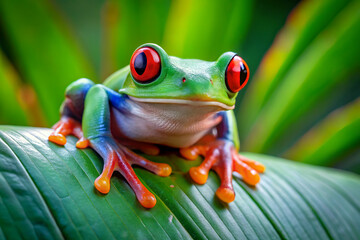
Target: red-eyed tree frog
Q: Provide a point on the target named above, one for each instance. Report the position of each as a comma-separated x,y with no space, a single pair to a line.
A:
161,100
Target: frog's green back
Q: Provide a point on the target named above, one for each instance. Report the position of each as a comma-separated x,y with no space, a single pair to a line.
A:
116,80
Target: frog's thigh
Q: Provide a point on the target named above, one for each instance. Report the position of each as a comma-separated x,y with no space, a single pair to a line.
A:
75,96
71,113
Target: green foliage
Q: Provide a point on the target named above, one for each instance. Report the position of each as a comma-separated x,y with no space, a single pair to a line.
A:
310,70
304,25
49,62
47,192
307,82
331,137
12,111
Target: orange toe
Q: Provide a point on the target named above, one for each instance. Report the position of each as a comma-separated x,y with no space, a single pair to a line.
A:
147,200
251,178
102,184
189,153
165,170
57,138
260,168
198,175
82,143
151,150
225,194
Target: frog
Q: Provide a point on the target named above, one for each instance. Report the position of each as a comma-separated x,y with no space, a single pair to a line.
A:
161,100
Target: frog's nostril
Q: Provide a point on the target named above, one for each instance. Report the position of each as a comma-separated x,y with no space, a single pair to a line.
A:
183,80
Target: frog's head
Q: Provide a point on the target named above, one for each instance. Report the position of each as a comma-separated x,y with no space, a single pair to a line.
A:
156,77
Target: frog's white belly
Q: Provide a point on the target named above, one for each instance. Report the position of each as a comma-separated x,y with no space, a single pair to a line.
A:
175,124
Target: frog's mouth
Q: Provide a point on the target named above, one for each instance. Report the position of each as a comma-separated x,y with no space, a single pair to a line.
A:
197,103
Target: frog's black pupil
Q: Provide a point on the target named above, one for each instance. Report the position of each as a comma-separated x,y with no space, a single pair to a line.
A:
140,63
243,73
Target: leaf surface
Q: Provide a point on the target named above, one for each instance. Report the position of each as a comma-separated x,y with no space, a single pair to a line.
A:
47,191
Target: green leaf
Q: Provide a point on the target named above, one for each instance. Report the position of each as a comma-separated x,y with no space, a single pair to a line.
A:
206,29
310,80
47,192
304,24
50,62
128,24
10,108
331,138
86,26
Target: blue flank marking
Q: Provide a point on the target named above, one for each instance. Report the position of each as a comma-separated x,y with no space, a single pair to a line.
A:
117,100
224,130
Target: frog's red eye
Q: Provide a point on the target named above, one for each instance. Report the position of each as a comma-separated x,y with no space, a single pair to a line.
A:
237,74
145,65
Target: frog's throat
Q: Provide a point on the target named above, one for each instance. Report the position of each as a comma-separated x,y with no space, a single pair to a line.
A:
183,102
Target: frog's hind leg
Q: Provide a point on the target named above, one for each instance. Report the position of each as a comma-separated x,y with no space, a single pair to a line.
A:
221,155
71,114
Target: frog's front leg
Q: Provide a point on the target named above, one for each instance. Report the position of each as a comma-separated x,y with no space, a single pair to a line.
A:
96,128
221,155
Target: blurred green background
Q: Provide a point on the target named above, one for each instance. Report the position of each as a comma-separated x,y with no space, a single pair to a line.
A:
303,98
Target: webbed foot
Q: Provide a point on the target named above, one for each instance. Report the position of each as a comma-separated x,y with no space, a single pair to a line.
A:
68,126
119,158
221,156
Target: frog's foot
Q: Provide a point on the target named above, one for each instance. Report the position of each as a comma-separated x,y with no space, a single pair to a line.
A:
221,156
68,126
119,158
